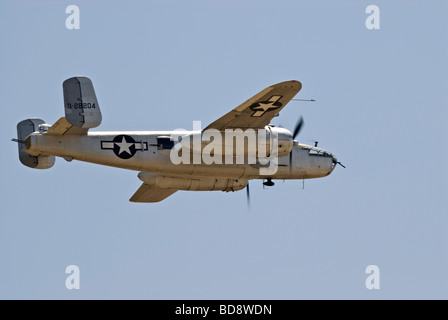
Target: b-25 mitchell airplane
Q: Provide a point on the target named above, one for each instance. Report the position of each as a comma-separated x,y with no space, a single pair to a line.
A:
151,152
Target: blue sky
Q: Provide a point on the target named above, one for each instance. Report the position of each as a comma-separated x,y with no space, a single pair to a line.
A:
158,65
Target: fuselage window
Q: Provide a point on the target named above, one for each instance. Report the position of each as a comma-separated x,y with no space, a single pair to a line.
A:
164,143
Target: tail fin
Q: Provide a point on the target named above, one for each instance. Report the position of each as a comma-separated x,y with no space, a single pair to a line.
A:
24,129
81,106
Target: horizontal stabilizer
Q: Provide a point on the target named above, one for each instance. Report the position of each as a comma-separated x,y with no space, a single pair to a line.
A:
80,103
147,193
62,127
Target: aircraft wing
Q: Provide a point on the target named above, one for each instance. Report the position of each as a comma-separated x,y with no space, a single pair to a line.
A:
147,193
62,127
258,111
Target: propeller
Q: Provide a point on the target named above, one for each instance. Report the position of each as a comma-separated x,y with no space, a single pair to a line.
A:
297,129
248,195
300,123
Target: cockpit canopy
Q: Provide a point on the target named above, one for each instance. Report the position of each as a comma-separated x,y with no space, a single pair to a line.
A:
314,151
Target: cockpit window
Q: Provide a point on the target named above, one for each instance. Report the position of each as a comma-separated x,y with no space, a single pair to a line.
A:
318,152
313,151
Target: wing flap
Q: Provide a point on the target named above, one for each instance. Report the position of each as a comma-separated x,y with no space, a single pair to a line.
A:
151,193
258,111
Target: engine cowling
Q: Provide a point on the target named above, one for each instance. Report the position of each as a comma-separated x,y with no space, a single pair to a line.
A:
285,141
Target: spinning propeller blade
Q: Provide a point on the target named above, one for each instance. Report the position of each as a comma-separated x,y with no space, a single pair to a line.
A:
248,195
298,127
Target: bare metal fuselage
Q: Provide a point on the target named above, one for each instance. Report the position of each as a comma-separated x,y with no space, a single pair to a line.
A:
304,162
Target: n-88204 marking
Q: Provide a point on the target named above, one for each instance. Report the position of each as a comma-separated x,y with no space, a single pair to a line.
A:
81,105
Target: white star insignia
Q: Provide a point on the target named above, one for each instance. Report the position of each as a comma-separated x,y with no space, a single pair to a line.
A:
124,146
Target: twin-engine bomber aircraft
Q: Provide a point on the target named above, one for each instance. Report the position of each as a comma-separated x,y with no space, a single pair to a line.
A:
168,161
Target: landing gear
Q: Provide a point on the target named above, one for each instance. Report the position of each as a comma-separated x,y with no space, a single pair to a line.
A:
268,183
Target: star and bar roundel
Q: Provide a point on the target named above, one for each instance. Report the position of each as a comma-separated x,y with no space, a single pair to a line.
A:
260,108
124,146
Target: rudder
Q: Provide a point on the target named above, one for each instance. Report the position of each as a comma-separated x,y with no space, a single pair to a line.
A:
24,129
80,103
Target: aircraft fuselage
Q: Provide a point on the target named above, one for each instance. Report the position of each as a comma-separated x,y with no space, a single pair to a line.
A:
141,151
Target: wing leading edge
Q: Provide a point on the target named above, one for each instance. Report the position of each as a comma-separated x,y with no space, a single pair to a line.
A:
258,111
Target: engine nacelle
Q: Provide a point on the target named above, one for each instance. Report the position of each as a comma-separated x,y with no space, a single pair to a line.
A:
196,184
285,140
